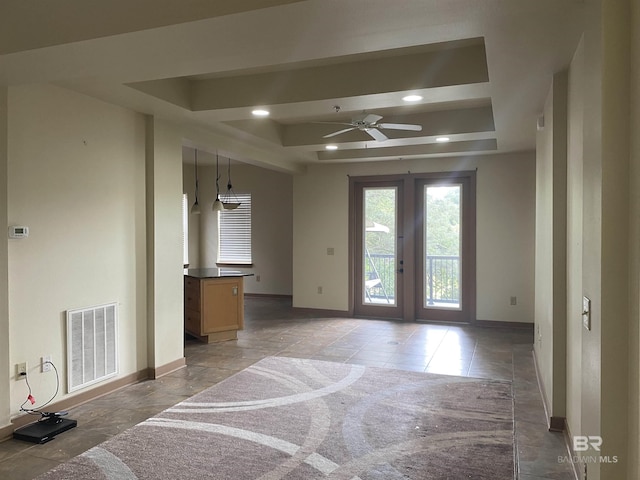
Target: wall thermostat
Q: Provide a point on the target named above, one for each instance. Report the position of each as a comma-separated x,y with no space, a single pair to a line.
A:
16,231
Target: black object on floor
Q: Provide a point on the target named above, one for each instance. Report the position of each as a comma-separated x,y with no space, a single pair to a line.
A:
45,429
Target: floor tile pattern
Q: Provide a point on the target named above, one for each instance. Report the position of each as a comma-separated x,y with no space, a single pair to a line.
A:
272,327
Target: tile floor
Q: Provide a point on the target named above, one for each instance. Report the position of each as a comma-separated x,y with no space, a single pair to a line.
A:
274,328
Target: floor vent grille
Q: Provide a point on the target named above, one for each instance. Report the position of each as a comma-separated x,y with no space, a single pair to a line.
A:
92,354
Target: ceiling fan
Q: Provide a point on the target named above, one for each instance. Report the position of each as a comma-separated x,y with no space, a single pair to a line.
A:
368,122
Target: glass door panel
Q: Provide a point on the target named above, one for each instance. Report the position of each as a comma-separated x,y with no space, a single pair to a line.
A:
379,249
442,258
445,248
377,235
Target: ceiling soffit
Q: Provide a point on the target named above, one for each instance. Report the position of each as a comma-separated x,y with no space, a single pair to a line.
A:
300,97
70,21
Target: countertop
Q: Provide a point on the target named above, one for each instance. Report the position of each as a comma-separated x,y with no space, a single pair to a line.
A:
216,273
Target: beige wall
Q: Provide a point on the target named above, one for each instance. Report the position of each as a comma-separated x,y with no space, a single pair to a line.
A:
5,363
614,169
164,281
271,222
505,231
551,247
76,179
574,239
601,246
634,251
188,187
100,189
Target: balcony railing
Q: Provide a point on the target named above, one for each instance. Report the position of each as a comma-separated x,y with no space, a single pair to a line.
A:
442,279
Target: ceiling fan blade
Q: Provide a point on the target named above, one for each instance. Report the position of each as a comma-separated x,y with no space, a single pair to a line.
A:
377,134
401,126
339,132
334,123
370,118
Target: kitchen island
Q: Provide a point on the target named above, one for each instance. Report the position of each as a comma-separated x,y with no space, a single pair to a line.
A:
214,303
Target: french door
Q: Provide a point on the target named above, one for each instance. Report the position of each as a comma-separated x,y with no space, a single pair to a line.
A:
378,248
413,246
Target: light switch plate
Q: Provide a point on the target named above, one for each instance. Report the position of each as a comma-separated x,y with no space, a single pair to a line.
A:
586,313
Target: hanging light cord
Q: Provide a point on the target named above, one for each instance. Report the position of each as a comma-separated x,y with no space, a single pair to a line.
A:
196,176
229,186
217,177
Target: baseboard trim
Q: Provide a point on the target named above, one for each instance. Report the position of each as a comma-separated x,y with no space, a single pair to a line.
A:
268,295
503,324
557,424
100,391
322,312
155,373
572,454
543,394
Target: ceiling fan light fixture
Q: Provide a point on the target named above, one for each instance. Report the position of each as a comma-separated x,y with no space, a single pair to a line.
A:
442,139
412,98
260,112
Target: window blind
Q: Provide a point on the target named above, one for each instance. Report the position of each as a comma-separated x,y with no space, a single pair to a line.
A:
234,232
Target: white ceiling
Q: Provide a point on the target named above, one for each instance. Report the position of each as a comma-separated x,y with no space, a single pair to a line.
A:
483,67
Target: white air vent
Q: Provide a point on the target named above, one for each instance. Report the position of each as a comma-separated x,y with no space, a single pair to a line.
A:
92,354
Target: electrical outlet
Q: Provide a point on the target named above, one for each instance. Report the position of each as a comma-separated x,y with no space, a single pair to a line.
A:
330,251
45,365
21,370
320,290
257,278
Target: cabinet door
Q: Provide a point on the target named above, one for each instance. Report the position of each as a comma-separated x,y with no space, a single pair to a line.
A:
220,305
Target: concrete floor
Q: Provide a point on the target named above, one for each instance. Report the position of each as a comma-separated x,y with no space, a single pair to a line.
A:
272,327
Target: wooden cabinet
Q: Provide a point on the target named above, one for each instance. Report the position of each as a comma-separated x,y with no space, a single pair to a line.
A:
213,308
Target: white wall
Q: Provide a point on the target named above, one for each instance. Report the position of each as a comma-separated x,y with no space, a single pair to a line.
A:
271,222
505,231
76,179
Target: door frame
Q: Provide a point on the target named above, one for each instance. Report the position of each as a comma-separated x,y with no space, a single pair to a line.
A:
355,251
467,313
407,243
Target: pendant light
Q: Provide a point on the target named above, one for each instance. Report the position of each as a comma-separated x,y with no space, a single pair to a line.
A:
217,204
229,199
195,208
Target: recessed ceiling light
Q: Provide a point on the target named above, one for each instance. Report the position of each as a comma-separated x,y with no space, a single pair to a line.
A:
442,139
412,98
260,112
331,147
